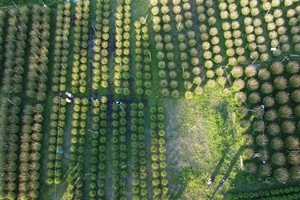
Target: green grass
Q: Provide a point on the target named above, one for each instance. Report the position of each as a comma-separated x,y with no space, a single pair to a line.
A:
203,141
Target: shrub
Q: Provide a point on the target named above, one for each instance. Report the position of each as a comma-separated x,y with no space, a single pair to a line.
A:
153,2
208,64
285,111
293,67
248,139
281,174
271,115
276,68
264,57
264,154
288,127
268,101
265,170
276,143
242,111
173,74
254,55
293,158
238,84
218,59
240,96
297,47
165,92
221,81
259,126
273,129
230,52
212,20
278,159
175,94
250,168
252,84
186,75
296,39
285,48
173,84
295,172
294,81
280,83
262,140
295,96
249,153
245,123
266,88
282,97
187,85
264,74
297,111
292,142
237,72
215,40
206,46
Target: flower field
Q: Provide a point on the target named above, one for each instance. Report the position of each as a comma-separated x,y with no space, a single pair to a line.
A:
149,99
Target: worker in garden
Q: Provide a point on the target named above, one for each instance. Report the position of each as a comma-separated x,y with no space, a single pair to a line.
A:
119,103
262,108
222,182
209,183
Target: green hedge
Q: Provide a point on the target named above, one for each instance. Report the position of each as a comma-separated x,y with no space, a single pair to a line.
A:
288,193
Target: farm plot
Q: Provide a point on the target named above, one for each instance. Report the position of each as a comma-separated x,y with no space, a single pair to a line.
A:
121,99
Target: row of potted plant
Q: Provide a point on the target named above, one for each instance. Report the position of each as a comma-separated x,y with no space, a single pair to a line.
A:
101,30
293,16
142,59
119,156
2,24
61,48
277,31
189,54
138,151
98,148
228,10
255,32
77,147
80,49
291,192
56,140
210,35
165,47
190,63
122,59
158,150
231,33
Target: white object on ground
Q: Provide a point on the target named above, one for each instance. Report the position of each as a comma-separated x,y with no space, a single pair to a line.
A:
256,155
69,94
68,100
